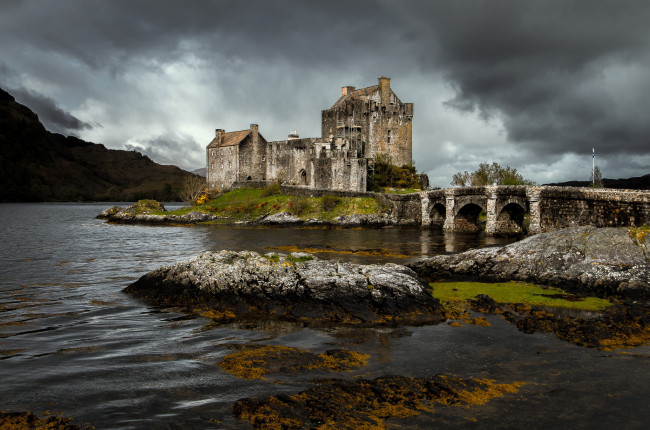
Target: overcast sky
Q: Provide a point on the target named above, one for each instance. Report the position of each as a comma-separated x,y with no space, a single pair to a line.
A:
530,84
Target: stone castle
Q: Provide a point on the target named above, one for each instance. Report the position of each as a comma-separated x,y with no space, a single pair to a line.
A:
360,125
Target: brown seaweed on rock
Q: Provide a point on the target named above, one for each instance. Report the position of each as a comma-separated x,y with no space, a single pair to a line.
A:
624,325
365,404
28,421
255,361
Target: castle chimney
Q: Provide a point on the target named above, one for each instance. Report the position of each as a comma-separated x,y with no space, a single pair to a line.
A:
293,135
347,90
255,133
384,90
219,132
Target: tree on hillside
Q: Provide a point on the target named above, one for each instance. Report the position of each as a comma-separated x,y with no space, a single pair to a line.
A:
490,174
596,178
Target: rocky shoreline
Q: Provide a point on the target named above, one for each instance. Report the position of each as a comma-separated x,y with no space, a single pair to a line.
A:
585,260
293,287
243,286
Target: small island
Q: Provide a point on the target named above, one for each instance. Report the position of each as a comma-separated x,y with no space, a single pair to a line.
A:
265,206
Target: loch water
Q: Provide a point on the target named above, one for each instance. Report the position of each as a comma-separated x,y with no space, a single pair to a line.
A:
72,342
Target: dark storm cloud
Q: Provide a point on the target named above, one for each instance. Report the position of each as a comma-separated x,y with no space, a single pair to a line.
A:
550,78
548,68
104,34
53,117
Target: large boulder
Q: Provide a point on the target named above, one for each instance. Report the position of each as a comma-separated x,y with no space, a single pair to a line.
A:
601,261
294,287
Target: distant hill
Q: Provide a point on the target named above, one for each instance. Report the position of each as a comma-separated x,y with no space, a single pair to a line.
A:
201,172
37,165
636,183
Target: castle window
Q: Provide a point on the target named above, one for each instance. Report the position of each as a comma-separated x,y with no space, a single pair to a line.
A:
388,131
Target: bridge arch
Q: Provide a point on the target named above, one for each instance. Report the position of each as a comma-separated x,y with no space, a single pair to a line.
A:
437,214
510,220
467,217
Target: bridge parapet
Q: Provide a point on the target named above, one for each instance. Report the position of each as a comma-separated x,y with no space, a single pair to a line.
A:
562,207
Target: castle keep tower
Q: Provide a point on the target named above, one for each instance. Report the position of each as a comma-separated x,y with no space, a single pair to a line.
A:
373,121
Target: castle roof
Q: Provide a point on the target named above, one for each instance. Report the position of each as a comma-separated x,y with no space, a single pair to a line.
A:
357,94
232,138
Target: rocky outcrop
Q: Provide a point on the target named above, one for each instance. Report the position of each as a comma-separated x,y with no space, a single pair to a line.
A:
132,215
140,213
601,261
294,287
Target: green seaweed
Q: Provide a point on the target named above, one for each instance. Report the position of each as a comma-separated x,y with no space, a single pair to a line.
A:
516,292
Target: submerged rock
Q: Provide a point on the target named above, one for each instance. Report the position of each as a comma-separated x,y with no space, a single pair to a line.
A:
601,261
294,287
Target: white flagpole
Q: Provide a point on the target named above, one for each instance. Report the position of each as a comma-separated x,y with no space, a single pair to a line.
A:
593,166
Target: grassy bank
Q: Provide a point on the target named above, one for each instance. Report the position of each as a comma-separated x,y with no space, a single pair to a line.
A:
247,204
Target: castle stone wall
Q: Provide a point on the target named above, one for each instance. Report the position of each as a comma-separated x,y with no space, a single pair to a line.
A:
222,169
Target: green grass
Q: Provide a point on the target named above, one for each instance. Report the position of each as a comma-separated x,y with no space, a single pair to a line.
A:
390,190
513,292
247,204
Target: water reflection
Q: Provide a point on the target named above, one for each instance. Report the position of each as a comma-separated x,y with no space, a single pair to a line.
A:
357,245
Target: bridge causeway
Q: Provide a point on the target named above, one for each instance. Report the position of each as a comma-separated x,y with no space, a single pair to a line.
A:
530,209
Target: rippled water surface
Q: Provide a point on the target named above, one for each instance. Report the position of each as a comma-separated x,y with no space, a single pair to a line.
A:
72,342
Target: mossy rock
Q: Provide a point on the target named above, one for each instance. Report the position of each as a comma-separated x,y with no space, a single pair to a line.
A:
146,206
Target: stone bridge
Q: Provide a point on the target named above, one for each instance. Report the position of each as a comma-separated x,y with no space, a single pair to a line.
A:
522,209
